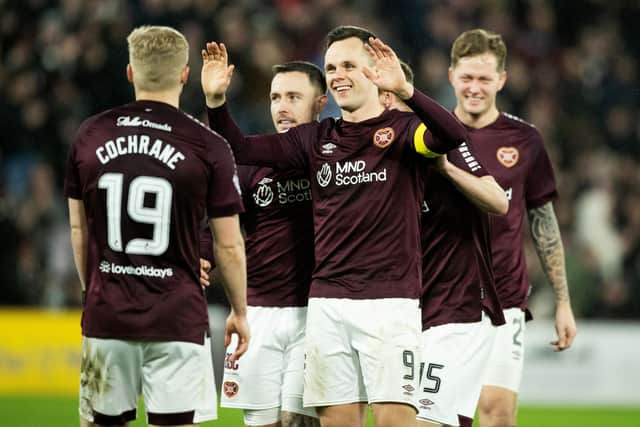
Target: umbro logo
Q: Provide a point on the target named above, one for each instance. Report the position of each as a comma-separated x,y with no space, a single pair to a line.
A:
425,403
328,148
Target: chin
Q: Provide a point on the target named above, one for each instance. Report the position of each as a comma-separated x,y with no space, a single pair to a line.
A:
476,110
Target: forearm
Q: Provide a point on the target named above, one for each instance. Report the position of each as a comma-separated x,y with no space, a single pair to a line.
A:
484,192
80,247
545,234
231,265
221,121
267,150
447,131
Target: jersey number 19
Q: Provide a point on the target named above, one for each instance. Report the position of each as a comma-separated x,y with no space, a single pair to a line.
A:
159,215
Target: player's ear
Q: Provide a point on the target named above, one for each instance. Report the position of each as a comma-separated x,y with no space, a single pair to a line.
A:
129,73
385,99
503,79
184,75
320,103
450,73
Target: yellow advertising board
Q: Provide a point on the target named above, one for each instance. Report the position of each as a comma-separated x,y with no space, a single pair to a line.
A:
39,351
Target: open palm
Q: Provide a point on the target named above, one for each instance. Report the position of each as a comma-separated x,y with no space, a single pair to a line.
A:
216,73
387,73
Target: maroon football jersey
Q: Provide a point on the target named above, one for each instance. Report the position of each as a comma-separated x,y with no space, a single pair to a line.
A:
278,223
458,278
513,152
366,187
147,174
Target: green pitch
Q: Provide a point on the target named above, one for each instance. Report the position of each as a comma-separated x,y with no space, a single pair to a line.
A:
36,411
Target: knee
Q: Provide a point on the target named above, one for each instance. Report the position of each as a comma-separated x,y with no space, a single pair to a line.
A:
496,416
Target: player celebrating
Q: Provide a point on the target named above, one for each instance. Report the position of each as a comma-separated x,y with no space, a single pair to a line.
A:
366,188
459,302
139,179
278,224
513,152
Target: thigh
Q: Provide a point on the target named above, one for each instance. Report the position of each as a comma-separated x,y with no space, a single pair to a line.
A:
386,337
293,378
173,383
474,361
255,380
332,374
207,407
110,380
441,348
506,360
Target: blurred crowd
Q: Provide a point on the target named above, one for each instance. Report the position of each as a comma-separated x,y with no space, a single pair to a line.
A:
572,71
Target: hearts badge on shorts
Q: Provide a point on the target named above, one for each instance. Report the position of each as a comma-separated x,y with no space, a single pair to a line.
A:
383,137
508,156
230,388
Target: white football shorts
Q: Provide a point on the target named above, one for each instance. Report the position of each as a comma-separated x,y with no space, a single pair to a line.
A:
362,351
270,373
507,356
454,357
175,379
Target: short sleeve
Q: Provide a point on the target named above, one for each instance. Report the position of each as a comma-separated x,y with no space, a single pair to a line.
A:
224,196
540,185
72,185
465,158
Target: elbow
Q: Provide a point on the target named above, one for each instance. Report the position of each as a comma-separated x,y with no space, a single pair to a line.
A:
501,206
230,253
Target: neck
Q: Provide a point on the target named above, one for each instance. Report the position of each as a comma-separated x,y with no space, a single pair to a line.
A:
170,96
477,120
366,112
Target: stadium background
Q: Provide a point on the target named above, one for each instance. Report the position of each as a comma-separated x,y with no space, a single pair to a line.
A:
573,72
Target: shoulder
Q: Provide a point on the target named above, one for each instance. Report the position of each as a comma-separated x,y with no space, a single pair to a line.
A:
205,131
527,129
103,119
518,123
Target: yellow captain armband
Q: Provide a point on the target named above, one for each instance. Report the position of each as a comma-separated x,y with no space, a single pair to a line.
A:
419,145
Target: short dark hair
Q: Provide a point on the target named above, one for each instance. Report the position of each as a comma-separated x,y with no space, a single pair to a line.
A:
408,72
315,74
344,32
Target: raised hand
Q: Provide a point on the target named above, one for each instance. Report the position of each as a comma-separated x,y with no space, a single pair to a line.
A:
387,73
216,73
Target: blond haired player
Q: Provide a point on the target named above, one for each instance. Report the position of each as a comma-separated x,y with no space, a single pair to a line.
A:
513,152
139,179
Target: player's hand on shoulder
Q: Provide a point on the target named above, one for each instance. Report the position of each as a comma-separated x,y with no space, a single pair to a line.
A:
237,324
387,72
565,327
216,73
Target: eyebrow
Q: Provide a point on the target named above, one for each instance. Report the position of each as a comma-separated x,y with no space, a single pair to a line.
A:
287,93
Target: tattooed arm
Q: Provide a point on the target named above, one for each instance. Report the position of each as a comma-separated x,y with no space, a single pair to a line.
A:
546,238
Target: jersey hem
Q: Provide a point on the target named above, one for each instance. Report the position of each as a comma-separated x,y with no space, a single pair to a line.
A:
334,402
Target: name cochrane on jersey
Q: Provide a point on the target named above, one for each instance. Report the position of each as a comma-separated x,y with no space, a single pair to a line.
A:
139,144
